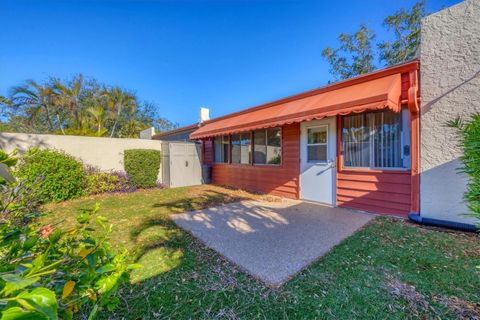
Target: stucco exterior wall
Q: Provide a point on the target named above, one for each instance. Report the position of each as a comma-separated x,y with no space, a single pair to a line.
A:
450,87
104,153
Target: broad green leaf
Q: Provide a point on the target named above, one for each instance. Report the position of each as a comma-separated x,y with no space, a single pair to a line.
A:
17,313
106,284
101,221
106,268
14,282
83,217
134,266
55,236
41,300
29,243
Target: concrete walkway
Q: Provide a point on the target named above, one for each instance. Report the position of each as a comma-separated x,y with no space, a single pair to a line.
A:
272,240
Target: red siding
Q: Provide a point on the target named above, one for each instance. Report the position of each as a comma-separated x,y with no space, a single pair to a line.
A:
388,192
207,151
280,180
405,85
379,192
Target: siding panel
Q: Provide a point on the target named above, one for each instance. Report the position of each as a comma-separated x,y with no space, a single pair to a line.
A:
276,180
379,192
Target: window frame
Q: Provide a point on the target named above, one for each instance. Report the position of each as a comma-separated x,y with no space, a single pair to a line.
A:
228,143
250,133
327,153
266,145
404,125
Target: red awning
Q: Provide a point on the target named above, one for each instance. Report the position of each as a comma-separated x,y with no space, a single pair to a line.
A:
381,93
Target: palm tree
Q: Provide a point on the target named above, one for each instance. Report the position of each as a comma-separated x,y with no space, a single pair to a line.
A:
119,100
98,117
34,97
69,96
4,101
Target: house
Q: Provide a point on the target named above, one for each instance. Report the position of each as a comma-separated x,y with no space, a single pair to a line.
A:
177,134
377,142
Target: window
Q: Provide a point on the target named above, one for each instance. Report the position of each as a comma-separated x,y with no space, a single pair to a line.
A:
267,146
317,138
376,140
221,149
241,148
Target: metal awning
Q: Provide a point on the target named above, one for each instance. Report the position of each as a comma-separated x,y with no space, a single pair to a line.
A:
338,99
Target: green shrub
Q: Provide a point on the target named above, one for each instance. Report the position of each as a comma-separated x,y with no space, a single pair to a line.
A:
63,177
50,273
469,136
142,165
107,182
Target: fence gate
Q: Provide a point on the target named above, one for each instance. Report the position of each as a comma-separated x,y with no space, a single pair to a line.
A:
181,164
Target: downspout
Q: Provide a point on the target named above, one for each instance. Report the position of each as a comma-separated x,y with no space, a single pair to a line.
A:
415,217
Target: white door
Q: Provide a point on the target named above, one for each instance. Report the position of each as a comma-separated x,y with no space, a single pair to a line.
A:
185,167
317,160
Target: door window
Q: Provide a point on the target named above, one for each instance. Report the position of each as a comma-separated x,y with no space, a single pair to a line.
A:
317,144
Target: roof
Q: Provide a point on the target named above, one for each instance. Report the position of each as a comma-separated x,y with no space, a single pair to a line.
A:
377,90
175,131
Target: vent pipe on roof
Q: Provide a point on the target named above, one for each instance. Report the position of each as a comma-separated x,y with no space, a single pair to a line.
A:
204,115
147,133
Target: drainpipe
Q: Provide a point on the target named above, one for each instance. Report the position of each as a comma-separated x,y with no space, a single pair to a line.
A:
415,217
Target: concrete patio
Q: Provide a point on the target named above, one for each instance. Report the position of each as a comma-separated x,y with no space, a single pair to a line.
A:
272,240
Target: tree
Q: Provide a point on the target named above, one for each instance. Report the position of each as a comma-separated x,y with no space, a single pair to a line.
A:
354,56
118,101
33,98
4,101
69,96
77,106
406,27
98,117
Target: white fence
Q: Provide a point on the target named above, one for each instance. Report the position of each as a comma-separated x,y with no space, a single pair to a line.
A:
107,153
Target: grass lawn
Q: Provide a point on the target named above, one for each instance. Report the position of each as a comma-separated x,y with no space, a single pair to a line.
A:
389,269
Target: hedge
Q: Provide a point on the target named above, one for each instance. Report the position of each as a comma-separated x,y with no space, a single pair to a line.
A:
142,165
58,175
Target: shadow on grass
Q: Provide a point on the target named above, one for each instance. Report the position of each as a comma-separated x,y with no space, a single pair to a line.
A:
202,201
184,280
159,243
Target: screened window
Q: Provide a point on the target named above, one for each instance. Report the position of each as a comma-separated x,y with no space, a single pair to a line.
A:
267,147
317,138
241,148
376,140
221,149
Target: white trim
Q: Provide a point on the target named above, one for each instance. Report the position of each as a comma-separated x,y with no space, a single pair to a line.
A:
318,144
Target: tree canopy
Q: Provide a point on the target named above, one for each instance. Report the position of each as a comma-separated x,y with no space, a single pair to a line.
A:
356,53
78,106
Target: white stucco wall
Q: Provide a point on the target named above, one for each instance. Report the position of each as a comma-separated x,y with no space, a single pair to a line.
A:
450,87
104,153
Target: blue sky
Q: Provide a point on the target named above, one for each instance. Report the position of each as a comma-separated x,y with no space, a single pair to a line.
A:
225,55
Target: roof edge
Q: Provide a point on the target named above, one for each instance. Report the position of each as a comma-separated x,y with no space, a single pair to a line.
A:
398,68
174,131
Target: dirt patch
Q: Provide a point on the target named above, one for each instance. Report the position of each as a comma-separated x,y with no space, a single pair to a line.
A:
415,299
461,308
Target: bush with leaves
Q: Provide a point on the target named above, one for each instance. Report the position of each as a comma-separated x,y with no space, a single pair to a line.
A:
142,165
50,273
63,175
107,182
469,138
